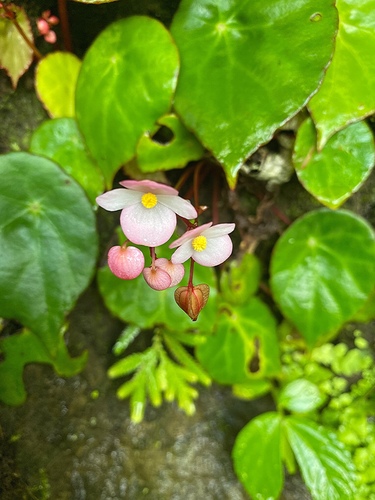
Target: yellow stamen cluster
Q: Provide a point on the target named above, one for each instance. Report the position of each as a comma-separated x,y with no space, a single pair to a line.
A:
199,243
149,200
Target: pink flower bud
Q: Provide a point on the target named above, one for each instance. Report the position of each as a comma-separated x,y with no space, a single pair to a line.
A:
50,37
156,278
192,299
175,271
43,26
126,262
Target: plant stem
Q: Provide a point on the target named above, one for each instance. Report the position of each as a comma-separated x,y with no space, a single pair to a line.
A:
65,29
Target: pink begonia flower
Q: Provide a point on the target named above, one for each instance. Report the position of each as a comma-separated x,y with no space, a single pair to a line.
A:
44,25
126,262
209,246
175,271
157,278
149,210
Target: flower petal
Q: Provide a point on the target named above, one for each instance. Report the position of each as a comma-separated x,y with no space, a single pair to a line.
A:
157,278
181,207
126,262
219,230
146,186
190,235
148,226
215,253
183,253
118,199
175,271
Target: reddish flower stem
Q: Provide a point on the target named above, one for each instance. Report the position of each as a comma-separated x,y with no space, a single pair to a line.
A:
65,29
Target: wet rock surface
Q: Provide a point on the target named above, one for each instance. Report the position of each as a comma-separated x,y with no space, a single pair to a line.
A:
73,438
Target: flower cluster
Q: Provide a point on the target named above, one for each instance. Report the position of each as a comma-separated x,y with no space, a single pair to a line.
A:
45,25
148,217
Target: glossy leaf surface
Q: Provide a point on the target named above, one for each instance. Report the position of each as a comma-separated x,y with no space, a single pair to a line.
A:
116,101
247,67
48,244
322,271
26,347
347,93
243,339
333,174
326,466
257,457
153,156
55,81
61,141
300,396
15,54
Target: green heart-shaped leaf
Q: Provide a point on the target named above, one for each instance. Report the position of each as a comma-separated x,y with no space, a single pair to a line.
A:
347,93
243,344
55,82
333,174
247,67
48,244
15,54
322,271
257,456
61,141
126,83
300,396
182,148
326,466
22,348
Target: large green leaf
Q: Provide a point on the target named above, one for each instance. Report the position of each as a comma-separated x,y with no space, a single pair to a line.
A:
333,174
322,271
26,347
61,141
48,244
348,90
246,67
257,457
326,466
153,156
55,82
126,83
15,54
243,345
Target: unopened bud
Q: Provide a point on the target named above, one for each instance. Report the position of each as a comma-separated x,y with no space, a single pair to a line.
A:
192,299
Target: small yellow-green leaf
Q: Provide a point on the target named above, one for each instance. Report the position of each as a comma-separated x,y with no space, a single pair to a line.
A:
347,93
333,174
55,81
15,54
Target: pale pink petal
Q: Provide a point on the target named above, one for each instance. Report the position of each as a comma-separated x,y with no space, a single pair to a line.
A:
147,186
50,37
43,26
53,20
181,207
157,278
190,235
219,230
148,226
118,199
215,253
126,262
175,271
183,253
